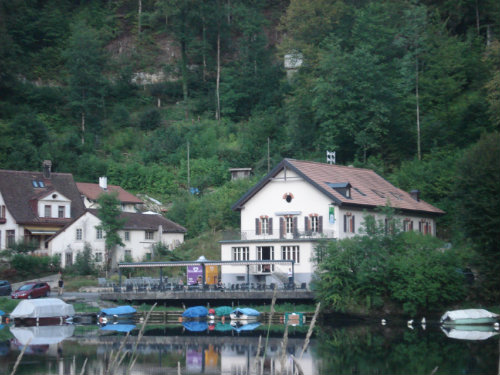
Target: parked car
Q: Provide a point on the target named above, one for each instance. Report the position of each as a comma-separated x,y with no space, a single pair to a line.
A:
5,288
32,290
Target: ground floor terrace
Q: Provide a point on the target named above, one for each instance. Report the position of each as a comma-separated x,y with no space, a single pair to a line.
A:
205,288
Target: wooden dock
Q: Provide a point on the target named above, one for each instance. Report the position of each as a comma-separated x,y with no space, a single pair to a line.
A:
213,297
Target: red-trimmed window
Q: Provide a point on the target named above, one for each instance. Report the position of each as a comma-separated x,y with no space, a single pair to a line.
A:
425,227
264,225
407,225
349,223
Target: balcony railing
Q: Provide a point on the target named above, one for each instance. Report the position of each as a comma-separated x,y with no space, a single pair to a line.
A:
250,235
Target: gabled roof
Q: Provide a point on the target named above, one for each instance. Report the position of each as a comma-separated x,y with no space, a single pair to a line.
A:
92,192
368,189
136,221
20,195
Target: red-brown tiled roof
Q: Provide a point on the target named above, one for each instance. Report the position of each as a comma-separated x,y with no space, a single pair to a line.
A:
21,196
137,221
368,189
92,192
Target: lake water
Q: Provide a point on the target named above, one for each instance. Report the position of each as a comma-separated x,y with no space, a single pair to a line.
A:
222,349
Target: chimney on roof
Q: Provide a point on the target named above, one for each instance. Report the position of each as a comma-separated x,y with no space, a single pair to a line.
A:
103,183
47,166
415,194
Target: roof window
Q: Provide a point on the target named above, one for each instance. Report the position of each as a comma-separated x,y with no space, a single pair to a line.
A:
343,188
38,184
360,192
396,195
379,193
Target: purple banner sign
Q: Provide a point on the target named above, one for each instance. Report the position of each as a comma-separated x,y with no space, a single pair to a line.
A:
194,273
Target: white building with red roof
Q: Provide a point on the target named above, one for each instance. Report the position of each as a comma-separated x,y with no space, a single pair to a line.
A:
90,192
300,202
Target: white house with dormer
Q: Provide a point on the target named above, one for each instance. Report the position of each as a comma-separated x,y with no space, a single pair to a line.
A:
299,202
35,205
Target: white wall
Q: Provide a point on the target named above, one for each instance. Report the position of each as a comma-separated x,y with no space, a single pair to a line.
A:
10,224
66,242
54,200
269,201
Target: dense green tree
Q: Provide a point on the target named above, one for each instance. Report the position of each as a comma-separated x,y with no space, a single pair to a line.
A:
387,266
86,62
477,195
111,223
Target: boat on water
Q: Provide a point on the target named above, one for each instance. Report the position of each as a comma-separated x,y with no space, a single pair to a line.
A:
45,311
195,312
468,317
244,313
116,313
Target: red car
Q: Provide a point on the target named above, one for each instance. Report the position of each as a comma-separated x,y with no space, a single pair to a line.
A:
32,290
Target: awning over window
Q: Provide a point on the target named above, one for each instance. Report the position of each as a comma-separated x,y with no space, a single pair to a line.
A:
42,230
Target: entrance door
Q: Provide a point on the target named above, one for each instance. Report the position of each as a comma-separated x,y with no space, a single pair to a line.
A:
265,253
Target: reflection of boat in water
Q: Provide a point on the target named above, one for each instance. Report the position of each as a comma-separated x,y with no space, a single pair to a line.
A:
468,317
42,335
43,311
195,326
244,313
195,312
239,326
116,314
223,327
473,333
118,327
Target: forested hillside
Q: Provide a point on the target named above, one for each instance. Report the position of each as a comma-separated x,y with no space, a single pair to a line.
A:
122,88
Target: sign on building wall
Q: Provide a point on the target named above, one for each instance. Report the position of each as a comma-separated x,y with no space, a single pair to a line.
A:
211,275
194,273
331,214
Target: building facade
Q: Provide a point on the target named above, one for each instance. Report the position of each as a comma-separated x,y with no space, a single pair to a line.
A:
298,203
140,233
35,205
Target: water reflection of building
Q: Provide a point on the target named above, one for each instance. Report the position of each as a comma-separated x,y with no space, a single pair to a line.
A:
207,355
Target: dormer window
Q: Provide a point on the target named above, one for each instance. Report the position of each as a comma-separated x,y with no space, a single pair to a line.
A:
343,188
